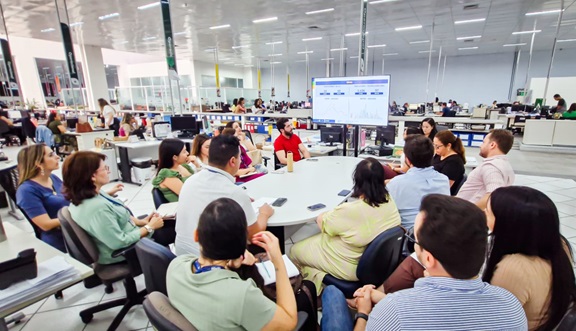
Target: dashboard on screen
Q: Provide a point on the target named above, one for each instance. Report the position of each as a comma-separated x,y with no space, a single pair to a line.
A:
351,100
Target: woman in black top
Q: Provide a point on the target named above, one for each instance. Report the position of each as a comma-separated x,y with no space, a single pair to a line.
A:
450,158
428,128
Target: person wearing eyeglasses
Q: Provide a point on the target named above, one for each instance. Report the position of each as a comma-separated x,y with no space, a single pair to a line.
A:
39,193
104,218
450,158
450,241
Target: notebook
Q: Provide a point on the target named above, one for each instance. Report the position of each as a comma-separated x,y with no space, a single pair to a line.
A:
268,273
167,210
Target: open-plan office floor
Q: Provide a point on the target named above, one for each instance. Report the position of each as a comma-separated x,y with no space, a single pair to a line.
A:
551,173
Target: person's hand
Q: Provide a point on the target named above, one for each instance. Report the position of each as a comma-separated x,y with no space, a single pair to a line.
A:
149,217
241,136
251,169
191,159
269,242
360,292
115,189
248,259
364,303
266,210
156,222
390,165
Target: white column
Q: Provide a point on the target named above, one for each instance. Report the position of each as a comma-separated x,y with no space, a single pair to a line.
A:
95,75
30,84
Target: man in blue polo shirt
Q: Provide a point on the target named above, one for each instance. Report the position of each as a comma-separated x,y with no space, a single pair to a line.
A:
450,242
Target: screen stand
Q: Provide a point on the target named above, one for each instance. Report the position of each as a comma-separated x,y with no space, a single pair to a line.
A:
356,139
345,136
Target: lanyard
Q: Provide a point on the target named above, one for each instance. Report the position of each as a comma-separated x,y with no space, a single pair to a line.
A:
117,204
207,268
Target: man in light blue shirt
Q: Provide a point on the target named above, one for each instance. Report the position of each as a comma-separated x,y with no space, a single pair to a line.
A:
450,242
420,180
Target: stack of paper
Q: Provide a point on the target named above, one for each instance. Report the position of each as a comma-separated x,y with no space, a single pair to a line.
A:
268,272
52,274
167,210
260,202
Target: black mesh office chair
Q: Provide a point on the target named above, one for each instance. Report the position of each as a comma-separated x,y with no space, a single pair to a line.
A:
81,247
459,185
377,263
154,261
568,323
158,197
163,316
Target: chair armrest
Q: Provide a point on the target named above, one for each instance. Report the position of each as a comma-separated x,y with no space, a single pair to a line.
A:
265,158
124,251
302,318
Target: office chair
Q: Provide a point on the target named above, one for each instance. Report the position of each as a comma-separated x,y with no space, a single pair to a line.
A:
154,261
158,197
163,316
464,178
568,323
376,264
81,247
519,124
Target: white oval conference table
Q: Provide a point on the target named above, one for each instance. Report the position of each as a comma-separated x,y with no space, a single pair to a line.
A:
310,183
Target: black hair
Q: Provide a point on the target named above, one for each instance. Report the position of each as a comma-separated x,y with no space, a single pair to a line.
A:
369,182
235,102
166,151
222,230
231,124
572,107
222,149
454,231
557,96
419,150
433,124
412,130
51,118
527,223
281,123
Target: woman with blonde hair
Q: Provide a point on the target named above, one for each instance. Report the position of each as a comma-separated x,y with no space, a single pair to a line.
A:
450,158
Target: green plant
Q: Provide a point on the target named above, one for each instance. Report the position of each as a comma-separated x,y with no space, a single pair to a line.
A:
31,105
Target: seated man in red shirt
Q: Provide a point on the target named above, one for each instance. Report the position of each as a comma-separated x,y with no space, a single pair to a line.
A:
288,142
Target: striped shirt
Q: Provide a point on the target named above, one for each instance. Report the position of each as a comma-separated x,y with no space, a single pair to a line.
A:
493,173
440,303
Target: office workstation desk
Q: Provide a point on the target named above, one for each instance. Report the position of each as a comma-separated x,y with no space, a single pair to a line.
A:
85,140
19,240
310,183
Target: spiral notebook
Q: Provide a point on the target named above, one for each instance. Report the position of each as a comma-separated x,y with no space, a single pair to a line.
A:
268,272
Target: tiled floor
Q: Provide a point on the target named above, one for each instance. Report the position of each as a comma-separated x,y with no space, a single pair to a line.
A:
62,315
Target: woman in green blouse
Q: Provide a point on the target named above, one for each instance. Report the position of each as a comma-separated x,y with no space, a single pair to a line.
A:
173,168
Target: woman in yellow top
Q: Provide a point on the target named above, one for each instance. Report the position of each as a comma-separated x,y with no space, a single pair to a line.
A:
529,257
348,229
173,168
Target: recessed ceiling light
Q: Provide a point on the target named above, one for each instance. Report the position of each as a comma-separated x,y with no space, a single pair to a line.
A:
419,42
107,16
376,46
512,45
465,48
389,54
433,51
310,39
264,20
306,52
149,38
327,59
275,62
248,66
338,49
381,1
219,27
546,12
239,64
565,40
150,5
273,55
274,43
48,30
470,37
76,23
354,57
319,11
470,21
354,34
406,28
526,32
242,46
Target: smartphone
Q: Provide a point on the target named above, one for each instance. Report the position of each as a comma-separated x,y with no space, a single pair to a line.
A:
316,207
312,160
279,202
344,193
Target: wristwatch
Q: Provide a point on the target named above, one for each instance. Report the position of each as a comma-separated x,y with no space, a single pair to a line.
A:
360,315
148,228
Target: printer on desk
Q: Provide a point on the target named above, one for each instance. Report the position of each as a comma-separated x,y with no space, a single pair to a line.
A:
382,150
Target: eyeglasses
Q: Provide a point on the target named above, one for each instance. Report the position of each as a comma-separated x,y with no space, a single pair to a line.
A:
107,168
438,146
410,239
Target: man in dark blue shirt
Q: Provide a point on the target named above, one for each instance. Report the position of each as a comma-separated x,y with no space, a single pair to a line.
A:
445,110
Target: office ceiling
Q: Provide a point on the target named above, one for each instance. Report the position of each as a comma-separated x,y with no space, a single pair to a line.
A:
140,31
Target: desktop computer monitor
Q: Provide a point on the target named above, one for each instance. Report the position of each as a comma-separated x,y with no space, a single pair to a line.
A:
385,135
185,124
331,135
71,123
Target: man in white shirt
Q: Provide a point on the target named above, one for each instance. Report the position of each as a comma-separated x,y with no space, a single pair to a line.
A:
494,172
214,182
